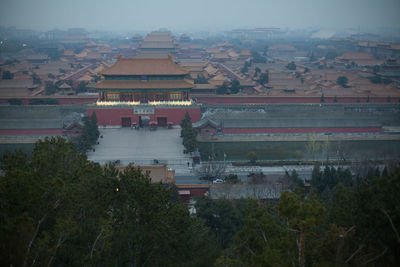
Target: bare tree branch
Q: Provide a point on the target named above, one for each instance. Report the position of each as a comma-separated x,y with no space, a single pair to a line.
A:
95,241
352,255
375,258
33,238
391,223
59,242
55,205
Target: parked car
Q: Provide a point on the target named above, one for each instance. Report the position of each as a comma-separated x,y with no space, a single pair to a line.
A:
218,181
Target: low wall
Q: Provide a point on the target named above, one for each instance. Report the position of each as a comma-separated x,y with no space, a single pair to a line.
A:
223,99
31,131
61,100
303,130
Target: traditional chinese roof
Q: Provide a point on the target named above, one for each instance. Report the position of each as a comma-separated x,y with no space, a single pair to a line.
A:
158,40
145,66
356,55
64,86
132,84
221,56
205,122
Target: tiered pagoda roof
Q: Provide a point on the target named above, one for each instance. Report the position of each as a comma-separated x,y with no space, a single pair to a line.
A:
145,66
155,84
156,71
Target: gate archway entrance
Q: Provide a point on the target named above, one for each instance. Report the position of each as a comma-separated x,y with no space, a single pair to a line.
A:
126,122
162,121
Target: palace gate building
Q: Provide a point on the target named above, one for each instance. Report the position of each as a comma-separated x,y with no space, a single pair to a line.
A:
143,91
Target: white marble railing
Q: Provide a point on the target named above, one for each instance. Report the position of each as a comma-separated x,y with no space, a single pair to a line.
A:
150,103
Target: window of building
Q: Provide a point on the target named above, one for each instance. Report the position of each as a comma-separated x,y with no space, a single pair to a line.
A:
175,96
112,97
161,97
126,97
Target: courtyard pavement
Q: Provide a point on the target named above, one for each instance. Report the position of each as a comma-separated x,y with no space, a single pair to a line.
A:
141,147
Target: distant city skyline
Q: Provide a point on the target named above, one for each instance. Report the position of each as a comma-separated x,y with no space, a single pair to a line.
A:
207,15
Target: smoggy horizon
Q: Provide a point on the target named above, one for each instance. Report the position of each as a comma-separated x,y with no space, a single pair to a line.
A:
206,15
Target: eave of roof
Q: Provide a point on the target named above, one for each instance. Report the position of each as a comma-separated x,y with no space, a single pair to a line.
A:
129,84
145,66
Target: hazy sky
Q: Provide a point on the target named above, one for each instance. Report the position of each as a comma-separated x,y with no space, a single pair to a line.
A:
181,15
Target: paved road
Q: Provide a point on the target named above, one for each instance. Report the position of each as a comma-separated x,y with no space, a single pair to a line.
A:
190,177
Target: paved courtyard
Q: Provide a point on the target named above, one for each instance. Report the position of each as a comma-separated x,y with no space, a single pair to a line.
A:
141,147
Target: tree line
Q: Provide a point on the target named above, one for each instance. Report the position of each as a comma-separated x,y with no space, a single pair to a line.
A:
59,209
344,220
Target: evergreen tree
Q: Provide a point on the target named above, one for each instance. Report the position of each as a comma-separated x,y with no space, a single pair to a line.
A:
81,214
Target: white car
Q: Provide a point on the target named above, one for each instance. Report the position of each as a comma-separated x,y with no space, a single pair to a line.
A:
218,181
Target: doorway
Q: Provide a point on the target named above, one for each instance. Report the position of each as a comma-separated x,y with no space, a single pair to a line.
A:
144,121
126,122
162,121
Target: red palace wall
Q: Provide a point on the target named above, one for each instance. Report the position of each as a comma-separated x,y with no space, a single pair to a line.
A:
277,100
302,130
113,116
31,132
60,100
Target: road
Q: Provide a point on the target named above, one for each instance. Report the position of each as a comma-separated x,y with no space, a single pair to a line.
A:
189,177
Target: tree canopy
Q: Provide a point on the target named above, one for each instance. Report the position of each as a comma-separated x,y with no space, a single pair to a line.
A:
188,134
59,209
291,66
342,81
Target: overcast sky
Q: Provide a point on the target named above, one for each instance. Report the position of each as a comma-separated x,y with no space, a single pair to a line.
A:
181,15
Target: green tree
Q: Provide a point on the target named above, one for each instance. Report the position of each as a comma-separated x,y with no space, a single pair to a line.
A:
235,86
264,78
252,156
387,80
90,133
152,229
342,81
302,216
291,66
222,90
224,217
36,79
331,55
322,100
50,88
82,87
245,69
262,241
375,79
200,79
189,134
7,75
40,229
232,179
81,214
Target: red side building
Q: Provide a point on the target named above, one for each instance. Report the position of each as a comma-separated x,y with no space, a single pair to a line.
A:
138,91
